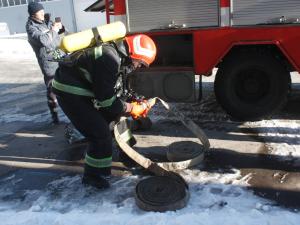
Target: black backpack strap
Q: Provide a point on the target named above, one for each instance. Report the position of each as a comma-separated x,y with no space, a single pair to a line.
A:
97,36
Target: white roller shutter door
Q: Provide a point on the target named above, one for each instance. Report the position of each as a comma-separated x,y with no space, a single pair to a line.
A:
144,15
250,12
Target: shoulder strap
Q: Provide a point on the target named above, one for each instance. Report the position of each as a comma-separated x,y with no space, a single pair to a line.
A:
97,36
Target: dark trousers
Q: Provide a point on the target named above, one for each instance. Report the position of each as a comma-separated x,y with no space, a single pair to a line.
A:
93,124
51,98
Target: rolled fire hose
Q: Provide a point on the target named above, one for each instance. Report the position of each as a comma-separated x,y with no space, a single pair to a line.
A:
167,191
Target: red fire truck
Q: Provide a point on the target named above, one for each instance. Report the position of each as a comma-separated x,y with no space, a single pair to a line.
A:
253,45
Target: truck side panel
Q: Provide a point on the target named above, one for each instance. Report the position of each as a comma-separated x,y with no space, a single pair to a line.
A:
211,45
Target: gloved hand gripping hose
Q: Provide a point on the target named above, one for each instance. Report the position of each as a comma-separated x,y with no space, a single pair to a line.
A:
141,108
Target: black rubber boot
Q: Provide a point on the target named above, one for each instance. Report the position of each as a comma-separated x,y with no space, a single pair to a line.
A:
96,177
99,182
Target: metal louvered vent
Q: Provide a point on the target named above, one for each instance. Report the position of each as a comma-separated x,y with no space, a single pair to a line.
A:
145,15
250,12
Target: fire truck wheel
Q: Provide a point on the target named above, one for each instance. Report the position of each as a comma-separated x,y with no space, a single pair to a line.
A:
251,86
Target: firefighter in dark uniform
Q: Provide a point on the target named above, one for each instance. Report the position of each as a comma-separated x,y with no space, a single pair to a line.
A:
85,90
44,38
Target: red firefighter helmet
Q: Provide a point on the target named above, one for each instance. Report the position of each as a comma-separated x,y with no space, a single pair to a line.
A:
141,47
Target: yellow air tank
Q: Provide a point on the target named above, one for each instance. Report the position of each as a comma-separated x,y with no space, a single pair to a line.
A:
86,38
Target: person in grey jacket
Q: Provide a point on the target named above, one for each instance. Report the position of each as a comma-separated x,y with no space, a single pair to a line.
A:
44,39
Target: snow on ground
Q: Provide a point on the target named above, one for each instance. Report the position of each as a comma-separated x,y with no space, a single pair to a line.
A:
15,48
288,132
216,197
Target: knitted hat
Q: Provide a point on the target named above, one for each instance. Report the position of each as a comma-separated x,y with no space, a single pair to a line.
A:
34,7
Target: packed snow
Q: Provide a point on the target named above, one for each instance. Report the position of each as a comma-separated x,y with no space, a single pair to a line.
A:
288,132
216,198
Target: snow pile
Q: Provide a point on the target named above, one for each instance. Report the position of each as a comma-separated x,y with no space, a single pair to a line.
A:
216,198
282,137
15,48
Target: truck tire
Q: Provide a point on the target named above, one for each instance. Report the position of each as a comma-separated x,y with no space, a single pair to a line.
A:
250,86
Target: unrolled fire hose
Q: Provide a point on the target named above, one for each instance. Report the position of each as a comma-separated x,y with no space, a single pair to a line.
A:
167,190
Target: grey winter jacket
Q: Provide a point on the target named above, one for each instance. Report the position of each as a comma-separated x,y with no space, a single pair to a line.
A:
43,40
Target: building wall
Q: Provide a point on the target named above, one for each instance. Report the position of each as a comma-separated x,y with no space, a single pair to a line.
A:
85,20
16,16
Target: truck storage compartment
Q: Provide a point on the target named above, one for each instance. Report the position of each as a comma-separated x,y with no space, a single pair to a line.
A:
171,76
173,50
145,15
263,11
172,86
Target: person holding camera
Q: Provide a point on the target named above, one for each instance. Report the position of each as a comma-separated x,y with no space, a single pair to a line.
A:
44,38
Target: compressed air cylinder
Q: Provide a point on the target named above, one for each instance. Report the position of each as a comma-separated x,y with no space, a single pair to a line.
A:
86,38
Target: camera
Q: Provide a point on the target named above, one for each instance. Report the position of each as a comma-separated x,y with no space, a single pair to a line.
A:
57,20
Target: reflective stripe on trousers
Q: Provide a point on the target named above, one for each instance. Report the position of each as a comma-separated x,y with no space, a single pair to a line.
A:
98,163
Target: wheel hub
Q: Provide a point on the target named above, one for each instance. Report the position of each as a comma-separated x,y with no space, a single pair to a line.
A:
252,85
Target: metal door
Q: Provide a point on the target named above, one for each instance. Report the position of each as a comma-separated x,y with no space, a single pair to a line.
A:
145,15
251,12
